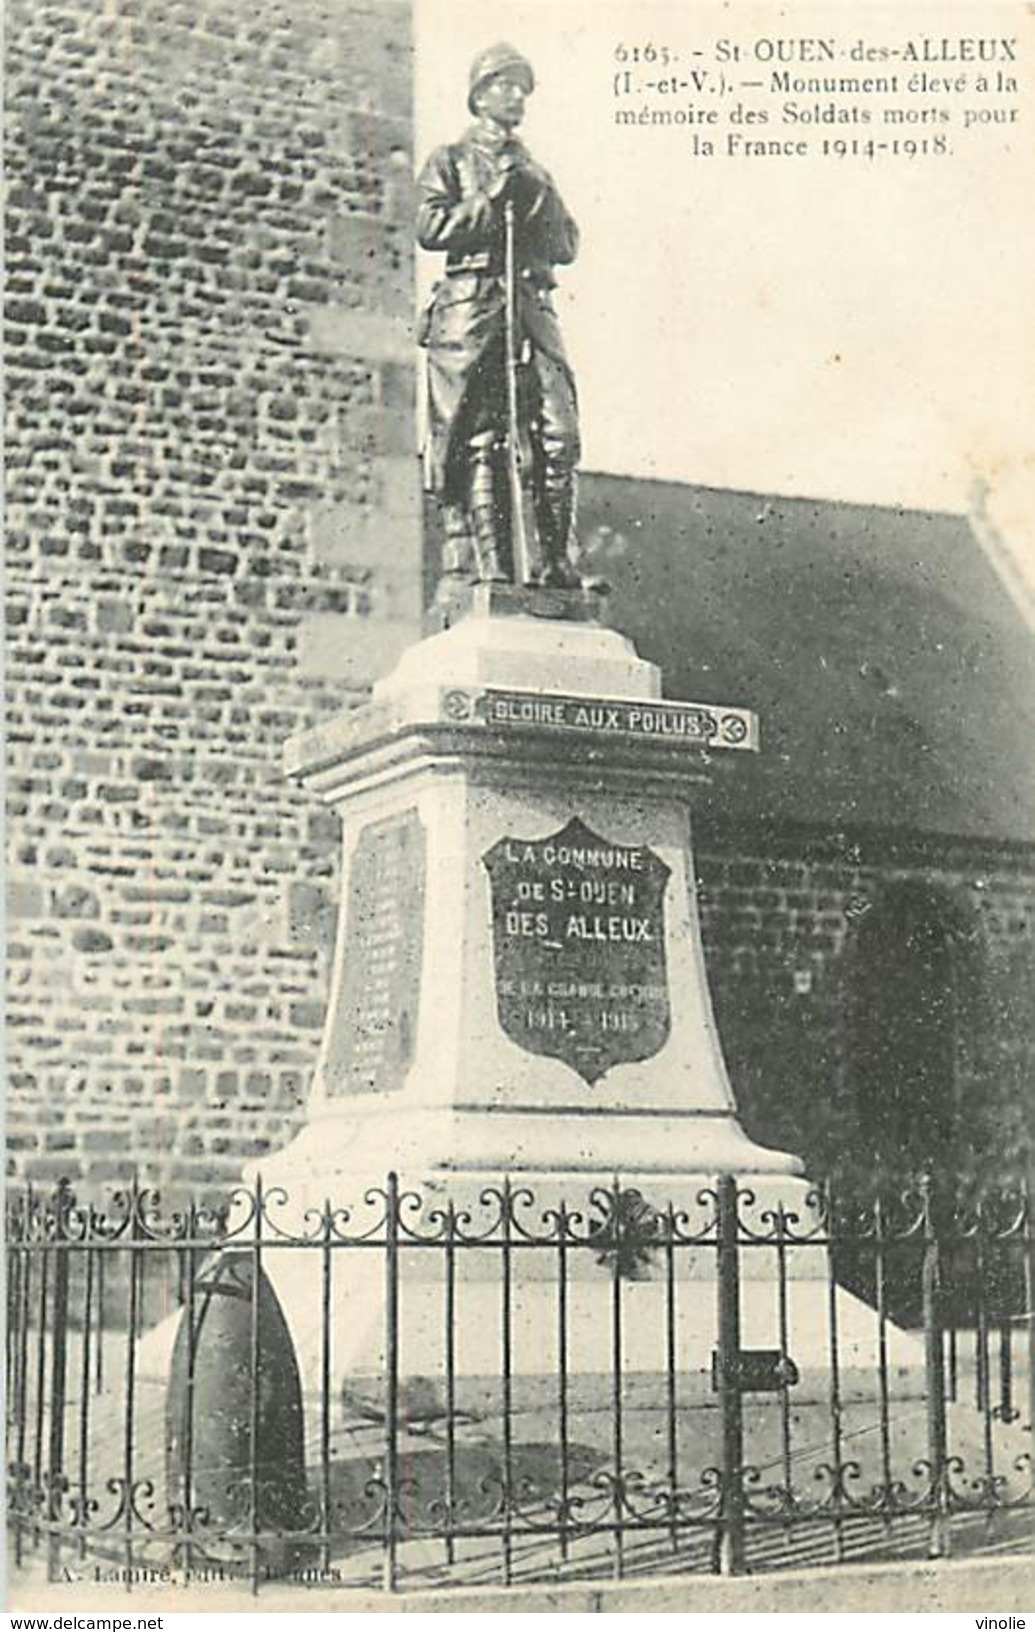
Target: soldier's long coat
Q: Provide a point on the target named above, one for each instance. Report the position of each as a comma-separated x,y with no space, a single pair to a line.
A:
462,327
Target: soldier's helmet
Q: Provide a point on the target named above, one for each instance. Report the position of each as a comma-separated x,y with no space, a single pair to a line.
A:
498,59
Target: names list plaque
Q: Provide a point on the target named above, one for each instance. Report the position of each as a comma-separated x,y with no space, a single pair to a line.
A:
374,1029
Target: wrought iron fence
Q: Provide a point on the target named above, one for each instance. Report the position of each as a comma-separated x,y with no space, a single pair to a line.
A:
477,1382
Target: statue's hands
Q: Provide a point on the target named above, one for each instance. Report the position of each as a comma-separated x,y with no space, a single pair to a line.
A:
506,181
529,186
534,180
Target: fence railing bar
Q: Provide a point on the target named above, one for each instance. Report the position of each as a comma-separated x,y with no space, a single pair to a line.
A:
671,1376
14,1265
982,1358
326,1297
22,1393
183,1268
1029,1298
83,1467
506,1384
621,1225
98,1381
784,1337
881,1267
981,1381
130,1374
449,1334
731,1542
934,1359
834,1355
190,1316
391,1423
1006,1409
562,1374
41,1381
255,1510
58,1382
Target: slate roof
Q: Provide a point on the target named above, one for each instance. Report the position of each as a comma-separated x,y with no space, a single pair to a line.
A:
894,678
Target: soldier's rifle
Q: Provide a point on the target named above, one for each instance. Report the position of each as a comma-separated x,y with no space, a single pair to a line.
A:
518,529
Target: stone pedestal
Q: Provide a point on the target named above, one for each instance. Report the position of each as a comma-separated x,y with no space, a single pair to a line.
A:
519,982
519,985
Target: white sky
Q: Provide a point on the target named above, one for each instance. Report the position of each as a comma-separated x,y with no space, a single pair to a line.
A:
853,330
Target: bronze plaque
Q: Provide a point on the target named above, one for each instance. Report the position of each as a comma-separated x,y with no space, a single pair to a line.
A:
373,1033
578,928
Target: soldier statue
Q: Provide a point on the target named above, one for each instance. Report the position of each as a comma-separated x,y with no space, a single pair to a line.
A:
502,412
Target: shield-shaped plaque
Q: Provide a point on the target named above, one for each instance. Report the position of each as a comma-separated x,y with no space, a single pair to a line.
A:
578,926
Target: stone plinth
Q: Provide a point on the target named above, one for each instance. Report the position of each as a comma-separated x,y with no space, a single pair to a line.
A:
519,989
519,981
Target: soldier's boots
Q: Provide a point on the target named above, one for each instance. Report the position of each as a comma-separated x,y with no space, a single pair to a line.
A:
484,521
555,513
456,543
457,554
490,564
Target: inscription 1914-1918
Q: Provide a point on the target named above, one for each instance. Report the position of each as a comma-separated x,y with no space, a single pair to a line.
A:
579,947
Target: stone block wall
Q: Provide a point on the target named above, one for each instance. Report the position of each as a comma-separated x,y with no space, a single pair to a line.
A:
802,1003
213,540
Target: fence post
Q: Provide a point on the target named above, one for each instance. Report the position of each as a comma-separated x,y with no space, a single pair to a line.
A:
63,1201
136,1267
256,1515
1029,1287
22,1234
731,1540
13,1276
391,1381
935,1378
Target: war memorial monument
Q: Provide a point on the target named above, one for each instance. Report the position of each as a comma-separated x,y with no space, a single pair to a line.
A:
513,1298
519,988
520,1100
